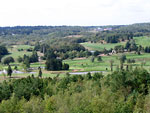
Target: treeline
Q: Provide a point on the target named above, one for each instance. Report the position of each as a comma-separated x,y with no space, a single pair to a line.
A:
111,36
75,34
131,46
121,33
119,92
63,49
61,30
32,34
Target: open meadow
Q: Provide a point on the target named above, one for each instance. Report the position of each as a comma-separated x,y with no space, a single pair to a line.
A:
143,40
99,46
19,50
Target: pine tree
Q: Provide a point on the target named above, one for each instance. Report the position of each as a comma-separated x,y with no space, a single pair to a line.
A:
92,59
26,63
111,64
9,71
99,58
40,72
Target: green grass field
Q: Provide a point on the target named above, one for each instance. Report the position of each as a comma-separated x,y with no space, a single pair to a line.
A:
144,41
87,65
25,47
99,46
15,53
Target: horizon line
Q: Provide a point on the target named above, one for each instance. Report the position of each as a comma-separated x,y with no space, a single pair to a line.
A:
74,25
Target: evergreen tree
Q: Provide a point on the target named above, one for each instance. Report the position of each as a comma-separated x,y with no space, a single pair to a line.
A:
96,53
127,46
34,57
92,59
127,68
99,58
122,59
7,60
53,64
26,63
9,71
15,68
19,59
40,72
111,64
65,67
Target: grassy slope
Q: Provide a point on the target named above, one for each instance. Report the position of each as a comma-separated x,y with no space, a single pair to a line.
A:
15,53
98,46
144,41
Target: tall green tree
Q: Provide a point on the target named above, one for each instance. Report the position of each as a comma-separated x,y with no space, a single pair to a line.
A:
122,59
92,59
53,64
9,71
111,64
34,57
40,72
99,58
7,60
26,63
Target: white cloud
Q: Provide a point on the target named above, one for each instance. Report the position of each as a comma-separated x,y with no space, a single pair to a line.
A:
73,12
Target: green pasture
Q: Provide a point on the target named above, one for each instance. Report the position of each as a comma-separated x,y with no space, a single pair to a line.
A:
99,46
144,41
25,47
13,51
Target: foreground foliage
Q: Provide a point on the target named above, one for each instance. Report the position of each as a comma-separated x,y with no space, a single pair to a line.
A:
119,92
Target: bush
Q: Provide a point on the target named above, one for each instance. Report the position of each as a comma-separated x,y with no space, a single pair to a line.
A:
65,67
20,59
8,60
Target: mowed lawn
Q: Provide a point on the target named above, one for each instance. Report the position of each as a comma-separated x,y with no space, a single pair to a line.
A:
99,46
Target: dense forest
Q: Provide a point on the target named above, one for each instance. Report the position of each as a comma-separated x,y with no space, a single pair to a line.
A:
119,92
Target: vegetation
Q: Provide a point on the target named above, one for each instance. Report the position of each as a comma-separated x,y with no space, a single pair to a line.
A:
42,58
3,51
9,71
7,60
121,91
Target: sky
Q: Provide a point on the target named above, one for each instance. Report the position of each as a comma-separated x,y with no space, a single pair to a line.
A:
73,12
